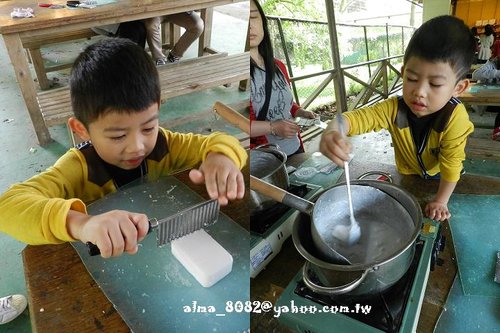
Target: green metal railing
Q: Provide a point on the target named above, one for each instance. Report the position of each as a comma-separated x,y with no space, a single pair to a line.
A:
370,56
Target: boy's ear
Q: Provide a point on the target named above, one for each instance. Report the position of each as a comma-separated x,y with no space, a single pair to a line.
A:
460,87
79,128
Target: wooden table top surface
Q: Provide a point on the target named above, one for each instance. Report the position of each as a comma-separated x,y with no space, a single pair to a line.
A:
119,11
62,295
480,96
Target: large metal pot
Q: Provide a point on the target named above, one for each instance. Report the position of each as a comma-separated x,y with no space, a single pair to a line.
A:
376,274
267,163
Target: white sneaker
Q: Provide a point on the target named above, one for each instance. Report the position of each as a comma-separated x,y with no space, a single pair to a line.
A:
11,307
170,59
161,61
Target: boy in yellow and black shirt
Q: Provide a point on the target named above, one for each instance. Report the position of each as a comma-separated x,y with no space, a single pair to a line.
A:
115,95
428,124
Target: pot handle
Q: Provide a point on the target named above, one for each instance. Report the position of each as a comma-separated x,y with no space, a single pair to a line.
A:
330,290
273,149
232,116
273,146
377,173
280,195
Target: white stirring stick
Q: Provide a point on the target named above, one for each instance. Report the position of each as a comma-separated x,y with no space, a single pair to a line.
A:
354,233
348,182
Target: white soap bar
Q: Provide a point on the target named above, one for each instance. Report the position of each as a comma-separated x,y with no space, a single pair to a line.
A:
203,257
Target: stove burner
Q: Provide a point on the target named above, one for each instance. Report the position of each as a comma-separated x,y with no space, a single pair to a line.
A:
262,219
387,307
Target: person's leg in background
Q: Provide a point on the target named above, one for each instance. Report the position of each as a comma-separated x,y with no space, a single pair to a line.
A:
194,26
153,37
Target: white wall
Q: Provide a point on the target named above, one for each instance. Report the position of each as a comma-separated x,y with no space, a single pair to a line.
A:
433,8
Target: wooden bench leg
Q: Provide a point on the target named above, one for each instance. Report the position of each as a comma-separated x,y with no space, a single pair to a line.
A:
170,34
28,57
41,74
206,15
175,34
243,85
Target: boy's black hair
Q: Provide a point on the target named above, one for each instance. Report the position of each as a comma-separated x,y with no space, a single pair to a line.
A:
114,74
266,51
444,38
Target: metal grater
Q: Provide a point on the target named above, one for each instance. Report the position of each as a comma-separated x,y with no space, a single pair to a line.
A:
184,222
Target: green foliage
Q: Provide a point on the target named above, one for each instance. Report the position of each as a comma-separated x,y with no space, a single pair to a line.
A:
309,9
306,44
354,88
289,8
377,48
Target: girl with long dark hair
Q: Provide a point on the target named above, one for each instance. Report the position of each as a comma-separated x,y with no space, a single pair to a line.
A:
272,108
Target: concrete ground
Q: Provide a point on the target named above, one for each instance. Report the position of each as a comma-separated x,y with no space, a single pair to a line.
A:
23,157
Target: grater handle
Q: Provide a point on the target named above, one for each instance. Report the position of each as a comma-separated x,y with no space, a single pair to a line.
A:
94,249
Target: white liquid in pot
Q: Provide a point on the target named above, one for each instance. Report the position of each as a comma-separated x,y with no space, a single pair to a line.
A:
386,226
377,241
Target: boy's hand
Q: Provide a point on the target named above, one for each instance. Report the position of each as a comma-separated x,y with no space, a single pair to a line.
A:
437,211
113,232
224,181
336,147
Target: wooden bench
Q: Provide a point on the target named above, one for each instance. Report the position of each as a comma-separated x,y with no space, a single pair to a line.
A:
482,149
176,79
170,35
34,43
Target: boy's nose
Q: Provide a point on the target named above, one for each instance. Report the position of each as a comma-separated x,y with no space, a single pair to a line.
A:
419,90
135,144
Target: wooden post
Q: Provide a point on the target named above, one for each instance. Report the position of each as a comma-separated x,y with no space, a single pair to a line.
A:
23,75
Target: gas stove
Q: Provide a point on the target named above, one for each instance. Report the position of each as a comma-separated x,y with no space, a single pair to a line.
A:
396,309
271,227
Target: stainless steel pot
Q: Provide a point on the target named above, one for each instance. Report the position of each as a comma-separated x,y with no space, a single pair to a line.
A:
376,274
267,163
379,236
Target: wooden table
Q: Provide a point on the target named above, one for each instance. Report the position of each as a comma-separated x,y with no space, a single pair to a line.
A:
272,281
62,295
480,95
47,21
